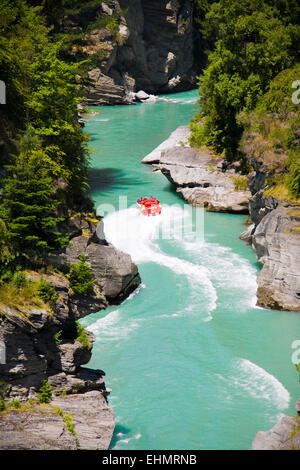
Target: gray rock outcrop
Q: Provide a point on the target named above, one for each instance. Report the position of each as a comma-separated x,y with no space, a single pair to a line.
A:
178,138
43,344
198,176
285,435
275,236
276,241
79,421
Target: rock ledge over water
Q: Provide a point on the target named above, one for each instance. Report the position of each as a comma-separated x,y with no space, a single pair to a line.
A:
198,175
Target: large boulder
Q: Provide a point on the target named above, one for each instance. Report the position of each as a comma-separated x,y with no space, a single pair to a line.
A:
115,273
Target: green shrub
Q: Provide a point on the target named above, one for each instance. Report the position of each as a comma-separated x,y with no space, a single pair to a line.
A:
15,297
57,338
2,404
15,404
82,336
81,278
240,184
278,97
6,251
293,176
19,279
67,418
46,292
45,392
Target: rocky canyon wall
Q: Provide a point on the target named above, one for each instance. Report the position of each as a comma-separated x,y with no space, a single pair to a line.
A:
151,49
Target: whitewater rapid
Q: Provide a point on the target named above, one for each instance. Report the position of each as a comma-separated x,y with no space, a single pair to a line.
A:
211,265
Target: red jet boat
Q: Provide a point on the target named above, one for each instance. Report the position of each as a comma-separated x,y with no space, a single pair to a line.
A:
149,205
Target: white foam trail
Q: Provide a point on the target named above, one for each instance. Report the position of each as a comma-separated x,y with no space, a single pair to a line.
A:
135,292
182,101
133,233
125,441
138,239
260,384
109,326
227,270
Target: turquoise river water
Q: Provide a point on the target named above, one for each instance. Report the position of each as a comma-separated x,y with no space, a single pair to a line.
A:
191,361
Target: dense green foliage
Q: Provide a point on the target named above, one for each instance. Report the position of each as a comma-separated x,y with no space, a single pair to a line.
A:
6,250
81,278
48,169
252,41
29,209
276,124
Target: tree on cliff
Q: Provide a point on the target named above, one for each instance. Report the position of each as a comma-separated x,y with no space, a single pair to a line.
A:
42,98
29,208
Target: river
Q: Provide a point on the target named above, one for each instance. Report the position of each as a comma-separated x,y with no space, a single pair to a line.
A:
191,361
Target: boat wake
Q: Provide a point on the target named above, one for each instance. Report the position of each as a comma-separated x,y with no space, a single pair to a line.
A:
207,266
140,238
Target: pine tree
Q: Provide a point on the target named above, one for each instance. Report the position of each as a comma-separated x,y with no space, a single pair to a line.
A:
45,392
30,208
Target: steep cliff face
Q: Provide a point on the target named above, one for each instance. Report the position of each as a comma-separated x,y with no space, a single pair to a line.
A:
275,233
78,416
43,344
151,49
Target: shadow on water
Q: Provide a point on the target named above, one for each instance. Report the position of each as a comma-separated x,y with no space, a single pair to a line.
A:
119,433
171,188
94,137
257,265
106,179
